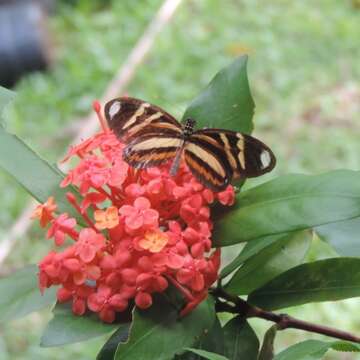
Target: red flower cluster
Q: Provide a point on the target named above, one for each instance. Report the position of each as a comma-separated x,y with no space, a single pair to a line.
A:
143,230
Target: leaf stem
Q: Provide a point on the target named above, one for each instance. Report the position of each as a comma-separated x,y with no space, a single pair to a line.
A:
236,305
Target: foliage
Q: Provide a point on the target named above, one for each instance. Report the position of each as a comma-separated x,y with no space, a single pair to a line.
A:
272,216
20,294
65,328
322,280
36,175
315,349
292,81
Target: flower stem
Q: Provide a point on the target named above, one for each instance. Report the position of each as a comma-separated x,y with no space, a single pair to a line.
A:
183,290
72,200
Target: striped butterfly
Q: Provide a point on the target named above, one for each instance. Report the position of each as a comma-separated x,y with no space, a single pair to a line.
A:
214,156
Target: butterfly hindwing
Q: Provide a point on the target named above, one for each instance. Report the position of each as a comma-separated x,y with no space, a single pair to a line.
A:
129,118
207,166
246,155
208,161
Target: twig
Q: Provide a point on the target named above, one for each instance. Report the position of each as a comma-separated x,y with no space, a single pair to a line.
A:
88,125
236,305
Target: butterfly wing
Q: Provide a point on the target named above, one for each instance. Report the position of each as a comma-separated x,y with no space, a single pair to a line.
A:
208,162
217,156
214,156
130,118
151,150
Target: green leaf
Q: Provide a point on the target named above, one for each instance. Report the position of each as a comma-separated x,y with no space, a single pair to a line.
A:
267,348
250,249
314,349
309,350
323,280
67,328
345,346
226,102
109,349
20,294
344,236
213,341
6,96
159,333
273,260
36,175
207,354
290,203
241,341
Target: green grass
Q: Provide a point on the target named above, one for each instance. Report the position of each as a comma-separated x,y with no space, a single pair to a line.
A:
303,68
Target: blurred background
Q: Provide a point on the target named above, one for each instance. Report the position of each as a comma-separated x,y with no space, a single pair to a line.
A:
304,74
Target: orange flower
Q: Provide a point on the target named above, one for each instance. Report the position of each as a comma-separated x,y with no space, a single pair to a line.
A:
44,212
154,241
106,219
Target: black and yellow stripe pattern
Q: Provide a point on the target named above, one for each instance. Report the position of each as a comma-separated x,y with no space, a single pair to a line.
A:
214,156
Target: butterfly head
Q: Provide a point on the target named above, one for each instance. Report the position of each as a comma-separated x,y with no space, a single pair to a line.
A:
188,127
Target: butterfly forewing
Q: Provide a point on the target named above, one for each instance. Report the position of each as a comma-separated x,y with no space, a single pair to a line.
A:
130,118
151,150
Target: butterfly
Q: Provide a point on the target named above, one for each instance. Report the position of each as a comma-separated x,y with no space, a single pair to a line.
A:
214,156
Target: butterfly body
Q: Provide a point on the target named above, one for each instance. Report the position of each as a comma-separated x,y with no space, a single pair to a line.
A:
214,156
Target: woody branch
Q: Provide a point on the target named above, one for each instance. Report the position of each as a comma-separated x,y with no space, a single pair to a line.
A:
226,302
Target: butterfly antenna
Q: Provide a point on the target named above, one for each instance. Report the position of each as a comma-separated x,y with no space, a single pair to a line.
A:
97,109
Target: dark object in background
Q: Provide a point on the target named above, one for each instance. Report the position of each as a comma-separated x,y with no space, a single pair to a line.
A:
24,39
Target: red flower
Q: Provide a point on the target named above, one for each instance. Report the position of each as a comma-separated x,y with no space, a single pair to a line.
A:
92,198
118,173
106,303
60,227
44,212
227,197
89,243
140,214
144,229
143,300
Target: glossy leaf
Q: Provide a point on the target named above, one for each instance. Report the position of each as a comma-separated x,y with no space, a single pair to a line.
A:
67,328
226,102
109,349
250,249
20,294
36,175
344,236
159,333
241,341
290,203
212,341
323,280
314,349
273,260
267,347
207,354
